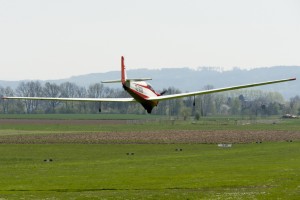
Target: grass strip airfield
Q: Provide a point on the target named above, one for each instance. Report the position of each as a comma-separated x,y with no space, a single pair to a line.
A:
156,167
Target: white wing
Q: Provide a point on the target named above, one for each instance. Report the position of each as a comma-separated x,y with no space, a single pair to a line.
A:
173,96
75,99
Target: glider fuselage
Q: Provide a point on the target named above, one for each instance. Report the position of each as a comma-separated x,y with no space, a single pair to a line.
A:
141,91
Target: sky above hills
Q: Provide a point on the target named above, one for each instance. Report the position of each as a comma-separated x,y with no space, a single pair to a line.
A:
62,38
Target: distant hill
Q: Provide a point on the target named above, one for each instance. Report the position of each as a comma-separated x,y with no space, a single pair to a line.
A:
187,79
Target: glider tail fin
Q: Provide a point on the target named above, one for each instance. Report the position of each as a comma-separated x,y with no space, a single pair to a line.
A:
123,71
124,76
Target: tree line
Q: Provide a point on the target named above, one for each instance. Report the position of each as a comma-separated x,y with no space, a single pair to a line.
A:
239,102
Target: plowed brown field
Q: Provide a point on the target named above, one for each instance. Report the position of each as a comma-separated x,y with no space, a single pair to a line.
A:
142,137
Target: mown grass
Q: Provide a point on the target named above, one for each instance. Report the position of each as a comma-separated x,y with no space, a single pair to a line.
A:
159,124
199,171
250,171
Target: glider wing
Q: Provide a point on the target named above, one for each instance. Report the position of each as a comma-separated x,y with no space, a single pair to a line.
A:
75,99
174,96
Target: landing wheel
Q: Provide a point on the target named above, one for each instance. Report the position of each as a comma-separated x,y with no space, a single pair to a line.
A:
99,106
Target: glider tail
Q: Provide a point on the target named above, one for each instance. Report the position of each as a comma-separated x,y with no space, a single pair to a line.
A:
123,71
124,76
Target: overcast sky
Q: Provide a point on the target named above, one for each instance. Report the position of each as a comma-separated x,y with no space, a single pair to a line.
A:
60,38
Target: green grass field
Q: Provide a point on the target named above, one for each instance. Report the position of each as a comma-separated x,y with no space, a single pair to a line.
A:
146,123
249,171
269,170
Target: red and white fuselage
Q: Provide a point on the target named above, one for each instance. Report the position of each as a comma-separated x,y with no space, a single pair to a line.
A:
140,90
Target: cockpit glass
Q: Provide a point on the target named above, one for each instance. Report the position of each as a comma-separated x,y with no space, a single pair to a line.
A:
150,87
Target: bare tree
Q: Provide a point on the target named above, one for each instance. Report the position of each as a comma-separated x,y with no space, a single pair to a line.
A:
1,100
96,90
7,104
82,106
68,90
174,104
30,89
51,90
207,102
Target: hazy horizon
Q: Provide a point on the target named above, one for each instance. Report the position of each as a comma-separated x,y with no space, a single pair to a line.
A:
62,38
202,68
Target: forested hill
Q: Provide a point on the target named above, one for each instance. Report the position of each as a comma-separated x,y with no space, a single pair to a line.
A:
187,79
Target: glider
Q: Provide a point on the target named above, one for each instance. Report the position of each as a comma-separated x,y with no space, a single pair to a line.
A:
143,93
